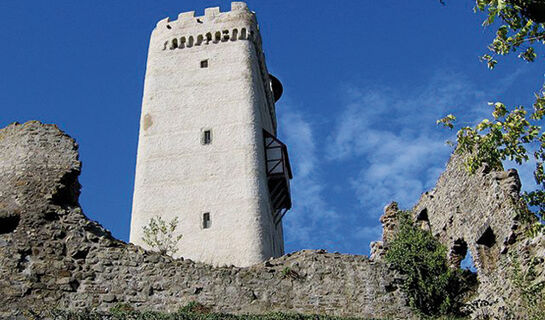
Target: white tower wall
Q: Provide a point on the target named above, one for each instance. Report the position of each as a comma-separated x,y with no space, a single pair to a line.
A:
179,176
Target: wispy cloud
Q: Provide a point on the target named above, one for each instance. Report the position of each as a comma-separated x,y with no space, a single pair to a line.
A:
304,224
383,146
392,133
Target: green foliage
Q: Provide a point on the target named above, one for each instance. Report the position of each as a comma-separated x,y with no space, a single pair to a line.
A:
192,311
532,290
194,307
431,285
288,272
521,27
160,235
515,133
285,272
121,308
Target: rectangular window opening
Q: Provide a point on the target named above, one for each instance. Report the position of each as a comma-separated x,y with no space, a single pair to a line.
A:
206,137
206,223
204,63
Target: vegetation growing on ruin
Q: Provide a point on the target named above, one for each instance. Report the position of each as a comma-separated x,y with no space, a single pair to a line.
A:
193,311
532,290
513,133
161,235
433,288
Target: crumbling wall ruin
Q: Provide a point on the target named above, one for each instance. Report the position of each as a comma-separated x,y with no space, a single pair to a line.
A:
51,255
482,214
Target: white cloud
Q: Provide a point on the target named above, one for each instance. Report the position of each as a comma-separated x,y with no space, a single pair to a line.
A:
393,135
304,223
383,146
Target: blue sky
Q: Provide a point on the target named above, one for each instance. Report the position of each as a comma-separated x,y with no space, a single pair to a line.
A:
364,82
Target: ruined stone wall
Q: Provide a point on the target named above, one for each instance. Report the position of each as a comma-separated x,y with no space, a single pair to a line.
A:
481,214
51,255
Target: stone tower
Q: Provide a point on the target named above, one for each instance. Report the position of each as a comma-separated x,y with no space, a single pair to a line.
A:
207,150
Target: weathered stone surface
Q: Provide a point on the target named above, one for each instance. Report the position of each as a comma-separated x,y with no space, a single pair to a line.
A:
51,255
56,257
389,224
481,213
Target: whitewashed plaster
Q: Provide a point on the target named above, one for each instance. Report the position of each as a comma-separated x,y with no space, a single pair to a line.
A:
178,176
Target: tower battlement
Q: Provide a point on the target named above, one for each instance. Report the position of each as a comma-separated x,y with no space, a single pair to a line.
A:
216,27
213,27
239,11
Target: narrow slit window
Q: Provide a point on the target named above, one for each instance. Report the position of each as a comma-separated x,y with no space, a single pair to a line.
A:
204,63
174,44
206,223
206,137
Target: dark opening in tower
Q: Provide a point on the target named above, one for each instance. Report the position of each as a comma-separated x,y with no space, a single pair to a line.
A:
278,175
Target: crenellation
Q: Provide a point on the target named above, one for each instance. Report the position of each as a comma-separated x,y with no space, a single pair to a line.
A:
186,16
238,6
210,13
163,24
239,12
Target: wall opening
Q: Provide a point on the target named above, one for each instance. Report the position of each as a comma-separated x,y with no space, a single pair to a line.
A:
204,63
488,238
423,215
206,137
458,252
174,44
206,222
487,253
243,34
422,220
8,222
468,264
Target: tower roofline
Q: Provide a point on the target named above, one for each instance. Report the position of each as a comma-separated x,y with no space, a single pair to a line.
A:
211,15
219,27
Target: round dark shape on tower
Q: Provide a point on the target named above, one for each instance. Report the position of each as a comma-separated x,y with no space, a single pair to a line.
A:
276,87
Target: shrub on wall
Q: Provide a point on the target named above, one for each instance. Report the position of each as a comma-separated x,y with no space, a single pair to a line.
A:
432,286
161,236
192,311
531,287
